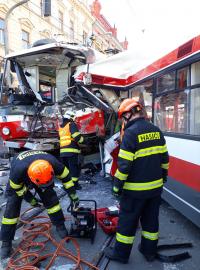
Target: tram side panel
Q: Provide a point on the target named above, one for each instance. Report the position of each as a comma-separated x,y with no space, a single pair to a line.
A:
182,189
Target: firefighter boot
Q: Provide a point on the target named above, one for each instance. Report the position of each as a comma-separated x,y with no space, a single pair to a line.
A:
148,257
61,230
6,249
110,253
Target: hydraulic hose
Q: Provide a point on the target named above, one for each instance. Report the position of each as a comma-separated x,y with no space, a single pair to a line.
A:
31,250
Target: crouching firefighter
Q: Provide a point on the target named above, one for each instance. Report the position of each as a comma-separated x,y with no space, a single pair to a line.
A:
35,170
142,169
70,139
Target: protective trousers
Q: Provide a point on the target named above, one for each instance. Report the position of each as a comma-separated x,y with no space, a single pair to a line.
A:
131,211
72,163
13,206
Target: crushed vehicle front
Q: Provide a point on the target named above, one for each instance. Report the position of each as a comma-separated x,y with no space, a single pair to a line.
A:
39,89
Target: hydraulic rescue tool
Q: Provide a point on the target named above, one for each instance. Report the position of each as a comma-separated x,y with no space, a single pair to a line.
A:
84,222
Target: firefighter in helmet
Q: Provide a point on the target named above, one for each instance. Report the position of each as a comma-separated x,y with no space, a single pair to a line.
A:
142,169
35,170
70,140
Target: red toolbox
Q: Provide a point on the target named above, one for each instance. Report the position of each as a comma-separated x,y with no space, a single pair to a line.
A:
107,220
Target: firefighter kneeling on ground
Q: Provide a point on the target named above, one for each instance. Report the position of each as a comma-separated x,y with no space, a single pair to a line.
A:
142,169
70,140
35,169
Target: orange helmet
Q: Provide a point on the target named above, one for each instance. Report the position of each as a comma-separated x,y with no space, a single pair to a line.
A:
127,105
41,172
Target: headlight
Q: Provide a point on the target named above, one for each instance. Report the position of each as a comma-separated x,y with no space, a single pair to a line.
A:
5,131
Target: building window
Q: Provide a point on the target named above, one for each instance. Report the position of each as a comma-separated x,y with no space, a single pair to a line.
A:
25,39
45,6
84,38
2,25
60,19
71,31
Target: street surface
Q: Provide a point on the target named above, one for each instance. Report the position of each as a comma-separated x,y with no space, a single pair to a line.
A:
174,228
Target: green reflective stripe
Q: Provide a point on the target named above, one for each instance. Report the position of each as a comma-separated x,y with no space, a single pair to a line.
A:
70,150
121,176
150,151
64,174
74,179
15,186
65,141
143,186
22,191
9,221
75,134
126,155
149,235
116,189
54,209
81,140
124,239
68,184
165,166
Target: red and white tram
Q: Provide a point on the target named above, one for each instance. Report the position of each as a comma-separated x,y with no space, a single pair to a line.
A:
170,90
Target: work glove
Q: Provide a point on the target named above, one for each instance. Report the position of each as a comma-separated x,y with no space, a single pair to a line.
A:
116,192
117,187
34,202
74,201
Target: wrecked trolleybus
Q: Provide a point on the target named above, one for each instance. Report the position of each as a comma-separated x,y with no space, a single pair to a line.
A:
37,87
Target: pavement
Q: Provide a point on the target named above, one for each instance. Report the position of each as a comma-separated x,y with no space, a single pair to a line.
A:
174,228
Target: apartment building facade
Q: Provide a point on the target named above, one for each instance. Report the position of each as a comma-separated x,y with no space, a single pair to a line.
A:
72,21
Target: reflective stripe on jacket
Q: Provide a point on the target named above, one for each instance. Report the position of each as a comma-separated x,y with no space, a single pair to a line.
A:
65,135
70,138
143,159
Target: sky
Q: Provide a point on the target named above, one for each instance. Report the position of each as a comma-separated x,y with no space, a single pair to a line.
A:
153,27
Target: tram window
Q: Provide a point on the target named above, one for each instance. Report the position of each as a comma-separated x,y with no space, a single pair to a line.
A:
195,73
143,93
182,78
195,112
166,82
46,92
171,112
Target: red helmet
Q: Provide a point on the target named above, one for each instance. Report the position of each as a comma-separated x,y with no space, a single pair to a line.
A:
41,172
127,105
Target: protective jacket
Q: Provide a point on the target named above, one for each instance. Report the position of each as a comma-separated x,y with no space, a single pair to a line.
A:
142,168
143,160
19,184
19,180
70,138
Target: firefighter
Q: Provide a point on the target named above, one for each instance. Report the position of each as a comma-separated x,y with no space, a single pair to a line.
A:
35,170
28,196
70,138
142,169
